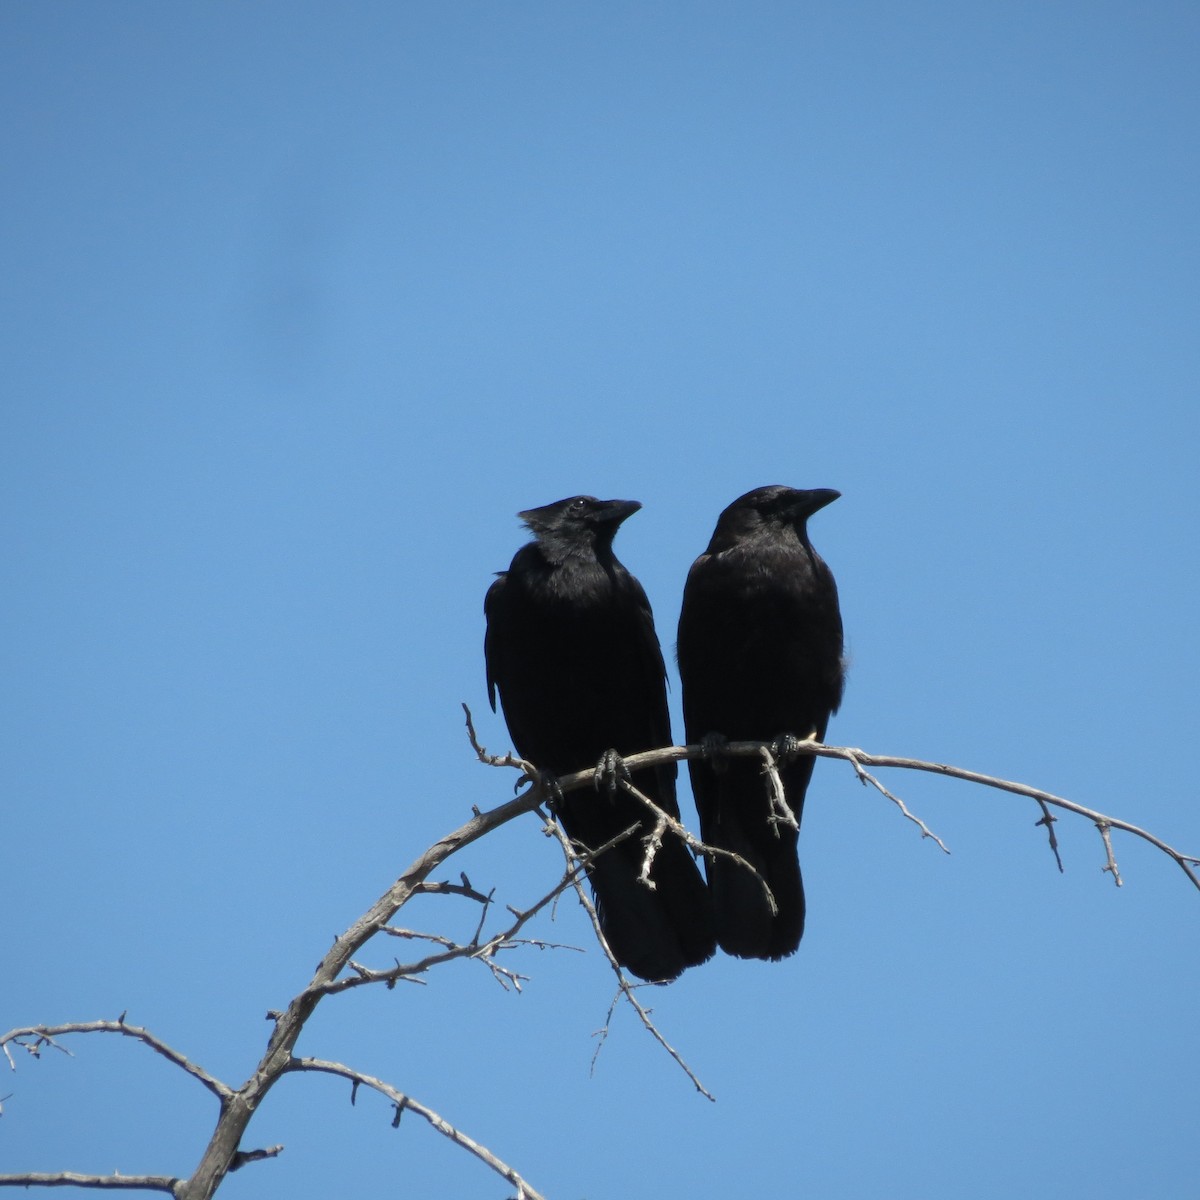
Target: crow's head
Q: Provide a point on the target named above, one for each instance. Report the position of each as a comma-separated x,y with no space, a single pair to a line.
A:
767,509
577,525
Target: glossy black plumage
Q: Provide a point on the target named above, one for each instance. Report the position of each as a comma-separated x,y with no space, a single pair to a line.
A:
760,655
572,651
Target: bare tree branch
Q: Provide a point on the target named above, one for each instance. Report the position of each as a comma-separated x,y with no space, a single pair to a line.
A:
131,1183
484,951
234,1118
1188,863
238,1105
405,1103
45,1035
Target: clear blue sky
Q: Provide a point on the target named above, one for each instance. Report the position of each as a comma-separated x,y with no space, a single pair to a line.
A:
301,303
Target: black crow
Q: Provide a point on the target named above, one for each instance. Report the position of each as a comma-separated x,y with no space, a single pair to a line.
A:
571,648
760,657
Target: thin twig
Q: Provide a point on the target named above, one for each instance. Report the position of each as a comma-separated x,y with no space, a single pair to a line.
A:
866,778
445,888
1048,819
781,811
1111,865
453,950
664,820
242,1157
44,1035
405,1103
624,986
501,760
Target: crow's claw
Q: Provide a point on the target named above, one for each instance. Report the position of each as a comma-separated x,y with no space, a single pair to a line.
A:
712,745
609,770
547,781
783,748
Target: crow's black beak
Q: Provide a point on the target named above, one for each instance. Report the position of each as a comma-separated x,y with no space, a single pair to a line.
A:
615,511
809,502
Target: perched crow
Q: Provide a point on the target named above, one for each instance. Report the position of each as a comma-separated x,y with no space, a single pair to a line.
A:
571,648
760,656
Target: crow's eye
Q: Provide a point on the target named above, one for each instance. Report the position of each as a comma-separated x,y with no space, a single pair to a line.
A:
579,504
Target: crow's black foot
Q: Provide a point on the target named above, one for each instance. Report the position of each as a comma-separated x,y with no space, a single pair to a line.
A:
713,747
609,770
783,748
547,781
